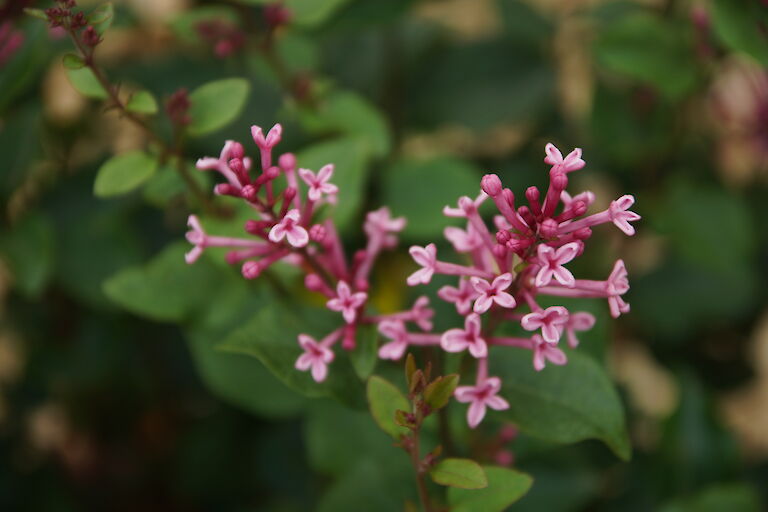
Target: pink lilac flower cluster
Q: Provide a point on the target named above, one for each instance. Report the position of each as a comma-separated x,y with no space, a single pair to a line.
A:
525,258
285,200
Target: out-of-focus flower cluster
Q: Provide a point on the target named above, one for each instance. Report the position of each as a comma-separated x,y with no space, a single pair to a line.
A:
285,200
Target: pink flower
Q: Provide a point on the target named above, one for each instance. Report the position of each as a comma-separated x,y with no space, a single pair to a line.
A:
572,162
422,313
195,237
457,340
581,321
462,296
230,150
465,204
551,321
616,286
318,184
552,261
347,302
493,292
427,258
463,241
379,223
587,197
621,217
543,352
484,394
271,140
315,356
289,228
394,330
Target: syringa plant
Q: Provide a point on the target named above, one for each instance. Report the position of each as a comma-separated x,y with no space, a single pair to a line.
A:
505,273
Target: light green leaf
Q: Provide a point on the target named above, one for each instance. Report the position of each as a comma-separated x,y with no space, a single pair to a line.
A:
123,173
561,403
271,336
72,61
101,18
741,26
36,13
216,104
440,390
384,399
85,82
405,185
142,102
505,486
462,473
349,114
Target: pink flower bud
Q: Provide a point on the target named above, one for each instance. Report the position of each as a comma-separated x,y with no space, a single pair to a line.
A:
251,269
314,283
527,216
548,228
532,194
503,236
317,233
287,161
509,197
256,227
558,179
491,185
249,192
582,234
237,150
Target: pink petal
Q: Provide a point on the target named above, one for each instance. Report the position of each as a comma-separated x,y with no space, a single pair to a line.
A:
454,340
449,293
393,350
544,276
319,371
298,236
502,282
277,233
550,333
564,276
420,255
482,304
193,254
538,360
475,413
554,156
505,300
625,202
349,315
465,393
304,362
307,176
555,355
478,348
566,253
343,290
421,276
531,321
497,403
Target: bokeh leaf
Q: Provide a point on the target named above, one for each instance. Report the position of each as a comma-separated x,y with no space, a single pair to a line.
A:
461,473
123,173
384,399
505,486
142,102
86,83
741,26
216,104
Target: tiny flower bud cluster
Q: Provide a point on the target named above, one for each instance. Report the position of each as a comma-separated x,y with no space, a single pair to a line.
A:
74,22
527,257
286,228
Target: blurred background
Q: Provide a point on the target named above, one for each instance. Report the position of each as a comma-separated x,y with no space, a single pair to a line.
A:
112,399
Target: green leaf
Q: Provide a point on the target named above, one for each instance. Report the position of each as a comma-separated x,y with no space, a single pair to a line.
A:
564,404
312,12
185,25
216,104
27,249
349,114
165,289
123,173
505,486
85,82
370,485
384,399
72,61
650,49
739,497
142,102
406,181
36,13
461,473
440,390
365,355
740,25
271,337
350,158
101,18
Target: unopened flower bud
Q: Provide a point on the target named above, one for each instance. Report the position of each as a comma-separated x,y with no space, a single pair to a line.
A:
248,192
527,216
237,150
500,251
256,227
503,236
548,228
317,233
90,37
532,194
225,189
582,234
558,179
251,269
491,185
509,197
287,161
578,208
314,283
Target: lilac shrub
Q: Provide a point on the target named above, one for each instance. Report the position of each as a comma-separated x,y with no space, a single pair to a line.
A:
504,274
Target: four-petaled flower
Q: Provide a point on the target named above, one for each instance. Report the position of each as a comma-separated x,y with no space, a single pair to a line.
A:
427,258
315,356
551,321
379,223
581,321
543,352
462,296
621,216
463,241
617,285
488,293
457,340
484,394
290,228
347,302
552,261
572,162
318,183
422,313
394,330
196,237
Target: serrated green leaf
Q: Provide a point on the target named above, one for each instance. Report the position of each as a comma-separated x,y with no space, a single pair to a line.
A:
142,102
123,173
561,403
384,399
440,390
86,83
216,104
72,61
271,337
461,473
102,17
505,486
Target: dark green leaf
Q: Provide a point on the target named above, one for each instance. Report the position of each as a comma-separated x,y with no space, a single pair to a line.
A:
123,173
365,355
505,486
561,403
312,12
739,497
384,399
440,390
28,252
740,25
216,104
461,473
142,102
